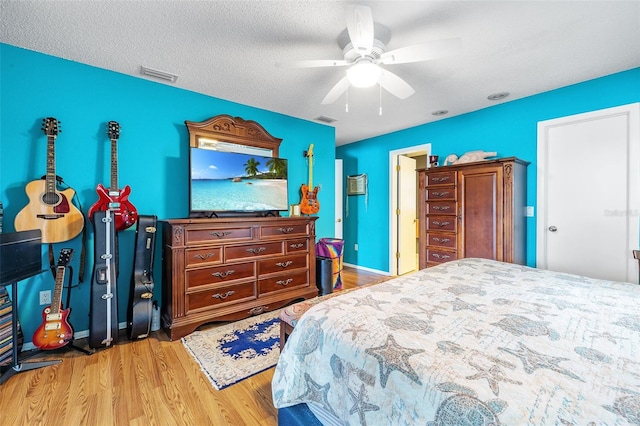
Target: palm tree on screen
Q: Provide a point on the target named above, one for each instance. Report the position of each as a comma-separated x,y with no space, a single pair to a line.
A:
251,167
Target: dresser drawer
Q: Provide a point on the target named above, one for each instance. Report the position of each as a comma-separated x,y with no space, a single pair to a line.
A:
441,193
220,296
440,256
220,274
201,256
282,282
268,231
201,236
441,178
293,246
442,223
282,264
441,207
440,239
252,250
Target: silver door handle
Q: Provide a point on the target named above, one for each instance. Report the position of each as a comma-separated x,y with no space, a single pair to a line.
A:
553,229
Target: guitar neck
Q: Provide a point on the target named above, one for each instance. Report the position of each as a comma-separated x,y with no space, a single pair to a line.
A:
50,180
56,300
114,165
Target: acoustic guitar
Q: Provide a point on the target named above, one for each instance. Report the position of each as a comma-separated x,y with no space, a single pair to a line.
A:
50,210
115,199
309,203
55,331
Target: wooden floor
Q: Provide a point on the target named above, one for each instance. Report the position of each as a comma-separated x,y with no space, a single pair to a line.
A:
148,382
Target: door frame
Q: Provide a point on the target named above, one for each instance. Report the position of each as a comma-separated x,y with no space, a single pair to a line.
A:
411,151
633,212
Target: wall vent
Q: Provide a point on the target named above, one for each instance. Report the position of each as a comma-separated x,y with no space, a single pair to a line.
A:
162,75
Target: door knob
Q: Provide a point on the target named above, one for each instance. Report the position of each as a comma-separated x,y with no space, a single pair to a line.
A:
553,228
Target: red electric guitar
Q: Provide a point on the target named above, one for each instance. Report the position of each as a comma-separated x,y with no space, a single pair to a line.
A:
55,331
114,199
309,203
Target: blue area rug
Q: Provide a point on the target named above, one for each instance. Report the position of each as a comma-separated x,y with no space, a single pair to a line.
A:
230,353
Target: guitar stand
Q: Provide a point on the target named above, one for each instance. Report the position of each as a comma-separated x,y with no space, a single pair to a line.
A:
71,344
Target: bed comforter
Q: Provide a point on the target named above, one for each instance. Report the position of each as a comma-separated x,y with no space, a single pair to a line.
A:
470,342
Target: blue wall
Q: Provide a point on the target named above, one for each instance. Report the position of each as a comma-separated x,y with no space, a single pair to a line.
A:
509,128
152,154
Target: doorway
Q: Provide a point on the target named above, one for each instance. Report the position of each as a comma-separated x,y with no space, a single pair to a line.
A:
403,232
589,193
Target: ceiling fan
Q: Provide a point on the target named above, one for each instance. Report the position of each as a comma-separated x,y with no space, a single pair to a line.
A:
364,53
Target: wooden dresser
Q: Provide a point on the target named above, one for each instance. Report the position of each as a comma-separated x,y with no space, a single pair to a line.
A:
473,210
231,268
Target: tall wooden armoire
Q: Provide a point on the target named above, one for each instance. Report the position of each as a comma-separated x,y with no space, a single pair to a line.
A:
473,210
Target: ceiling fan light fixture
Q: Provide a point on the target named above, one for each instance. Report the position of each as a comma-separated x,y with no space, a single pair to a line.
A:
364,74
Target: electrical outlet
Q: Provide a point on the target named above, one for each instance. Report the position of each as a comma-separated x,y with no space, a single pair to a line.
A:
355,247
45,297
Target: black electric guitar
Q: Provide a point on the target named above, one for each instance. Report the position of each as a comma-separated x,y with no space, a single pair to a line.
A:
309,203
114,198
55,330
50,210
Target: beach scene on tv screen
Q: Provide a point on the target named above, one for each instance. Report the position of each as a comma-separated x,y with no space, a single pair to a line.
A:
229,181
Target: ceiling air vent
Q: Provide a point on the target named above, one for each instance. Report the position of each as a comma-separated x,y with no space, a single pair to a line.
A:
162,75
325,119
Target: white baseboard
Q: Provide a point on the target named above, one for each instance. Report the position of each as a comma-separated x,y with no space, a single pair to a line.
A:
375,271
76,335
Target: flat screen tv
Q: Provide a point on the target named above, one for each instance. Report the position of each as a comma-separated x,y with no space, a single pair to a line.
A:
232,182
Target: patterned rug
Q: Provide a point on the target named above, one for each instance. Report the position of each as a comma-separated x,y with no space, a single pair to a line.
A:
230,353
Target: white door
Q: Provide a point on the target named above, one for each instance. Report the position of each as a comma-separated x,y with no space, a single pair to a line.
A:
338,225
407,250
588,193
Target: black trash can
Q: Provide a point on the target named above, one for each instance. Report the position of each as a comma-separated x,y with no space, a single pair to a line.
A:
324,275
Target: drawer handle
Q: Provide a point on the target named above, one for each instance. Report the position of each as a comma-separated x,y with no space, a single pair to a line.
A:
286,230
223,296
220,234
296,246
440,256
223,274
284,264
256,250
440,224
284,283
440,179
257,310
443,208
441,240
204,256
440,194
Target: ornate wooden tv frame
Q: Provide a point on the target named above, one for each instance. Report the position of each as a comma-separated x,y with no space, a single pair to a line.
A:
226,128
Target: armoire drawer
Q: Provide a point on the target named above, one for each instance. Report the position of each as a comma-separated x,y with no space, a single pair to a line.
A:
441,207
439,239
441,223
441,193
440,256
441,178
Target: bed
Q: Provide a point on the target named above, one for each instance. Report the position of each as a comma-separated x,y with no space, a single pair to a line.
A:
472,341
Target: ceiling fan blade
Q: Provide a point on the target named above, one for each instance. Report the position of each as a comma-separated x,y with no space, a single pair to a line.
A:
360,28
395,85
313,63
421,52
336,91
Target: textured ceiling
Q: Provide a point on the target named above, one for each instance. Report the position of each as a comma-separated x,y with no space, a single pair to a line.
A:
228,49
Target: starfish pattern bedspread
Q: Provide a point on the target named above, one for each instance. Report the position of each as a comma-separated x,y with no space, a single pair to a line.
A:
474,342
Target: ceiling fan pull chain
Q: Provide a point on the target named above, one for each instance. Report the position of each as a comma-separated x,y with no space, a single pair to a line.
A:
346,105
380,99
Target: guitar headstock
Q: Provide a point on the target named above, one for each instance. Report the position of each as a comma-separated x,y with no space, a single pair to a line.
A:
65,256
113,130
309,152
51,126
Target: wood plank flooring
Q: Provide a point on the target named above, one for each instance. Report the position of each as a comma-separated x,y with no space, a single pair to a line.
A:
148,382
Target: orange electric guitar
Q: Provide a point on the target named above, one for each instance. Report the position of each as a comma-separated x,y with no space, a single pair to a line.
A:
309,203
55,331
115,199
50,210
